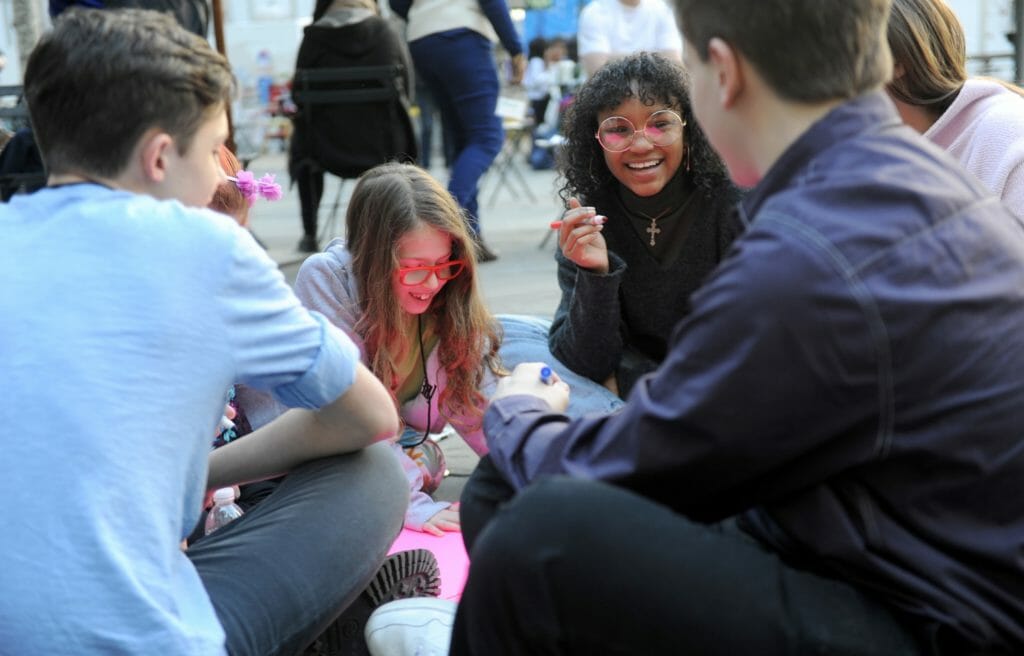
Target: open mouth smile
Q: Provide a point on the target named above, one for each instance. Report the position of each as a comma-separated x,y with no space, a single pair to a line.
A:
643,166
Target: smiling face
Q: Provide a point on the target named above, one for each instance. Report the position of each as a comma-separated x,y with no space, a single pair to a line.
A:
643,168
424,245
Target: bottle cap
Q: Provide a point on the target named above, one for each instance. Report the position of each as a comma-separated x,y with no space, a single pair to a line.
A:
224,495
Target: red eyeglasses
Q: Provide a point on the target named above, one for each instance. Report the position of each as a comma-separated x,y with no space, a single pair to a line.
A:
444,271
662,128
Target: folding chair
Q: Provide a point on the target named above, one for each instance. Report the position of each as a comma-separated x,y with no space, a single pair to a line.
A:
326,95
518,128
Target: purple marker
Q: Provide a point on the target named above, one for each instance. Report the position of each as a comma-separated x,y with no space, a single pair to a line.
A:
545,376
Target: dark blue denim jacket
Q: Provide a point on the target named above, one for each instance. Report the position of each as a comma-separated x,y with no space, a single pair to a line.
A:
850,381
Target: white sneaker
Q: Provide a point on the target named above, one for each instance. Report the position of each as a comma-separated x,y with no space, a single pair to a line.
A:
411,627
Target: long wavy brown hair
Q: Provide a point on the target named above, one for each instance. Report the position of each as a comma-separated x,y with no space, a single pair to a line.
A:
389,201
929,51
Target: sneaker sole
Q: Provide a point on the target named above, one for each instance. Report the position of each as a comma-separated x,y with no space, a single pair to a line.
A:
403,575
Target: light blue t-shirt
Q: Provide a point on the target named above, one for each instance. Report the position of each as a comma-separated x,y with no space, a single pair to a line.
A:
123,320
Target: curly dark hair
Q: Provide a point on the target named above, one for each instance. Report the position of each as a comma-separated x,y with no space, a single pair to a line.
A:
652,79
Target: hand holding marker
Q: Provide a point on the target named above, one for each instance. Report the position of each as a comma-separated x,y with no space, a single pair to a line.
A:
545,376
593,220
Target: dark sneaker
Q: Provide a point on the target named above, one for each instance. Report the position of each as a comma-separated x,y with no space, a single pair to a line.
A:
403,575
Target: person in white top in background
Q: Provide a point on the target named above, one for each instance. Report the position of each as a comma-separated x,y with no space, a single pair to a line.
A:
615,28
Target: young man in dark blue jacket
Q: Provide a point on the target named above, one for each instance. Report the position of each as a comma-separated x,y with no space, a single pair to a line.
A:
830,460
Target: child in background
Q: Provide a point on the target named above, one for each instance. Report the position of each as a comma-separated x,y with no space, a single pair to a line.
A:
240,188
228,199
236,193
404,288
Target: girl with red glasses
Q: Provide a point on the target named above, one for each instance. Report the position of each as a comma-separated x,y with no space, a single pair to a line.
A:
403,285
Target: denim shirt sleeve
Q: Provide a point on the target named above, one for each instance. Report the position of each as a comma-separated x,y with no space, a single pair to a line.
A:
771,384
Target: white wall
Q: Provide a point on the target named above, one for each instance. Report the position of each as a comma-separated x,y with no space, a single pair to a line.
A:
986,23
278,30
246,33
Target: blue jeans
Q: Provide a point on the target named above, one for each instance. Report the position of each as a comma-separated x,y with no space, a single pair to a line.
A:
283,571
526,340
428,108
458,68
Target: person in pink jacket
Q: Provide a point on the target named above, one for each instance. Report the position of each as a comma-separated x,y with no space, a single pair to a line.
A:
403,285
977,120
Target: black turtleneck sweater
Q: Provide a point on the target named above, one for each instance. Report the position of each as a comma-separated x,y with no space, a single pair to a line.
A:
620,322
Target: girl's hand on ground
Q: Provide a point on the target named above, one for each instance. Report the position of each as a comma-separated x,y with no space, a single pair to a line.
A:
580,237
446,520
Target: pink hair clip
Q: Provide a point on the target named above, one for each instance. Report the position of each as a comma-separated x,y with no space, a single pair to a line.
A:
252,188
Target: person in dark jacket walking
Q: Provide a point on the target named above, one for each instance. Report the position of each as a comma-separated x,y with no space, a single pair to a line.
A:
830,458
347,140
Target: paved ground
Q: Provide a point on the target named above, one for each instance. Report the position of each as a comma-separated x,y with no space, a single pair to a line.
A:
521,281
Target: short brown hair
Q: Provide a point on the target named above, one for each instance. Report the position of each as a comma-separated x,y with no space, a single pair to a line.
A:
101,78
806,50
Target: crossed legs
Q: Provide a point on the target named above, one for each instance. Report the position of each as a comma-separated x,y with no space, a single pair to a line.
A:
286,569
580,567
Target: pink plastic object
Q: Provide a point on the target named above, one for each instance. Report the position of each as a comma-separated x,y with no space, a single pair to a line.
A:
450,553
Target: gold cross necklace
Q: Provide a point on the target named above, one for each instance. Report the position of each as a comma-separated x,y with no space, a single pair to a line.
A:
653,230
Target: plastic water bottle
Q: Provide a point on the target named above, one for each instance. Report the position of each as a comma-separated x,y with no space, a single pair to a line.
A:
224,510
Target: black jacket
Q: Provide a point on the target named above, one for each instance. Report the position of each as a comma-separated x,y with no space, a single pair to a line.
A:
348,139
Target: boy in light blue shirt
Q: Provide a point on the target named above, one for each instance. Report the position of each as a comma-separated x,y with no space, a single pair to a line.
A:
126,315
